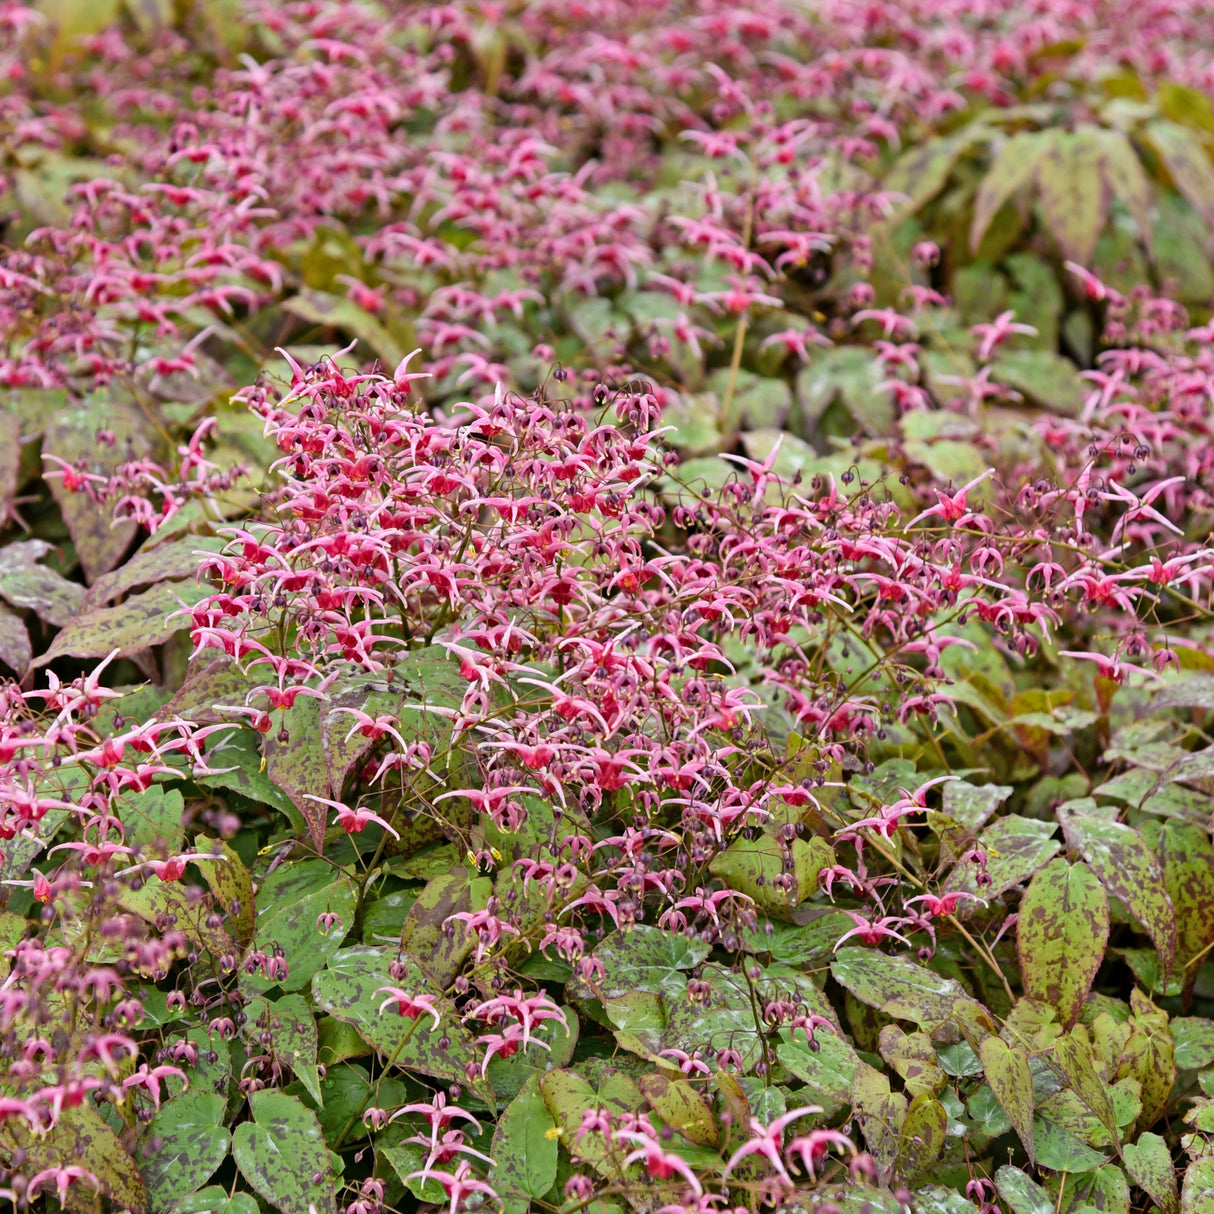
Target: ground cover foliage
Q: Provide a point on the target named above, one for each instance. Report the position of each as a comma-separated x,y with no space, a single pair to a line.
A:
723,723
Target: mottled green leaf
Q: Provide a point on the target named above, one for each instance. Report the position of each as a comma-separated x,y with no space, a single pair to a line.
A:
1073,1054
153,816
1007,1072
1187,859
922,1137
236,765
1188,162
971,805
333,312
680,1106
168,562
1149,1163
1126,178
282,1154
15,648
30,586
1194,1041
1124,865
1197,1196
81,1137
922,170
568,1095
424,936
1043,376
751,866
1022,1194
289,903
1103,1190
290,1022
1061,935
1072,189
523,1146
1012,168
1061,1151
184,1144
72,435
827,1072
1016,848
1148,1055
156,898
913,1057
131,627
232,885
346,989
297,765
881,1114
897,986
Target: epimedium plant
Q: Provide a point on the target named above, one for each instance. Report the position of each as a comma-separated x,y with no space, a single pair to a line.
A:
752,752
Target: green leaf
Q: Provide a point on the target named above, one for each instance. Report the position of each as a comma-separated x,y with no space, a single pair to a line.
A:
973,804
346,989
1149,1056
1194,1040
1007,1072
72,435
298,765
751,866
1043,376
333,312
1012,169
524,1146
1061,935
166,562
1073,1055
153,816
1074,196
16,651
922,170
1197,1196
758,402
1122,862
424,936
183,1145
880,1114
409,1158
157,898
81,1136
291,1024
236,766
289,903
922,1137
1189,163
1016,848
1104,1190
645,958
231,884
1061,1151
568,1095
342,741
1126,178
282,1154
897,986
1149,1163
137,623
29,586
680,1106
1187,859
1025,1196
828,1072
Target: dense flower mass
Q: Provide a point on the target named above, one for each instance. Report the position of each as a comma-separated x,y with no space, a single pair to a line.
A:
608,606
